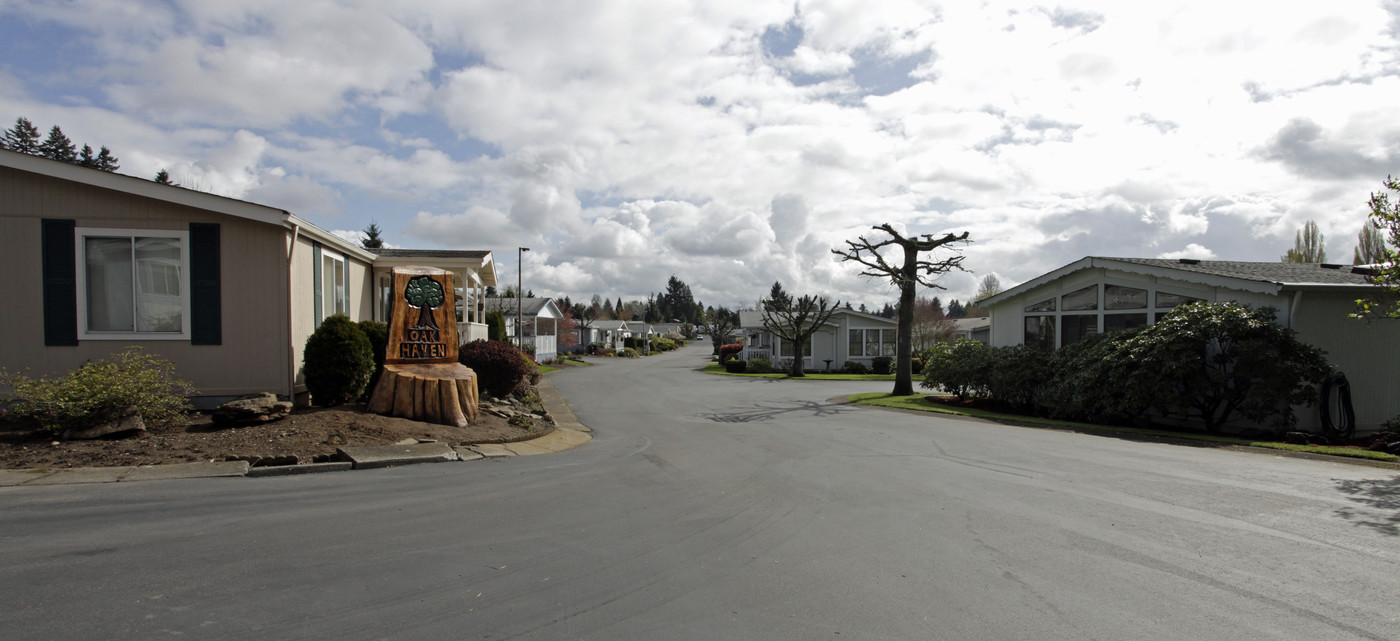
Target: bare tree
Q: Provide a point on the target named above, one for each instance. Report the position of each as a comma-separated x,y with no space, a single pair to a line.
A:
907,276
719,324
1370,246
796,320
1307,246
931,325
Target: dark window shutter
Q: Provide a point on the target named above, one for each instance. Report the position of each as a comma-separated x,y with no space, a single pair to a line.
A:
316,285
60,281
206,305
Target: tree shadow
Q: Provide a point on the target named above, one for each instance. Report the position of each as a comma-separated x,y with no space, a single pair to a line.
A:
764,412
1380,496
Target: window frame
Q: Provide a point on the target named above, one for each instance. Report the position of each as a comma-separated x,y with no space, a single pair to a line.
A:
338,294
80,236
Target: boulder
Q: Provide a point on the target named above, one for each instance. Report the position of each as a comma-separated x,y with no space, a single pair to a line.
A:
252,409
126,419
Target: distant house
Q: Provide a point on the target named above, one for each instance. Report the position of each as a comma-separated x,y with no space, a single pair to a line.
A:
978,328
611,333
227,290
848,336
1094,295
539,325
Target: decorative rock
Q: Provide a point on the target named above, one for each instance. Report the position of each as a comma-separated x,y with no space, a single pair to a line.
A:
124,420
252,409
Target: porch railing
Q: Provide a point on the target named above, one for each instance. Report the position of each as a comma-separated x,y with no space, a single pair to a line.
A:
468,332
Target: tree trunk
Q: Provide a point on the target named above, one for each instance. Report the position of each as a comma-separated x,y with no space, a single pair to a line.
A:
904,332
796,370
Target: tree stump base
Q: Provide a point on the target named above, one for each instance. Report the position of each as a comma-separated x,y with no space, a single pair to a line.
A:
443,393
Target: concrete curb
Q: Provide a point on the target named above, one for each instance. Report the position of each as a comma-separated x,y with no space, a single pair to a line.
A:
569,433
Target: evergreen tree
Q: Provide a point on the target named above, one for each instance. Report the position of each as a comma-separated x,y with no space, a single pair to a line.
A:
777,298
372,240
956,309
888,311
86,157
23,137
163,177
58,147
105,160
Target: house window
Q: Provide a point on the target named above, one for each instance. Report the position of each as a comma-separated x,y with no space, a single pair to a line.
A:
855,340
333,288
887,344
1047,305
1113,322
1040,331
1078,326
790,350
1120,297
1081,300
1167,300
133,283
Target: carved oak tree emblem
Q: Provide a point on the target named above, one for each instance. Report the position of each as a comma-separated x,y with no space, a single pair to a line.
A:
424,293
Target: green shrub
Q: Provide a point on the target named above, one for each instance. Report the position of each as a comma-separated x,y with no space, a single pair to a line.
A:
1088,381
1016,375
337,362
496,326
959,367
501,369
378,335
663,344
760,365
100,390
1214,363
881,365
735,366
856,367
629,352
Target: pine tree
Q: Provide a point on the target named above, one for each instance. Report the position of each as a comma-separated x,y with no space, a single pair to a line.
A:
372,239
23,137
163,177
58,147
105,160
86,158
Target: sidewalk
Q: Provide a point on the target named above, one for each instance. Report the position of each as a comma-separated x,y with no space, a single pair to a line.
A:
568,434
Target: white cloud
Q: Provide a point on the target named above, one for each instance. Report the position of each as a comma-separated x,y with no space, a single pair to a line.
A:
626,142
1190,251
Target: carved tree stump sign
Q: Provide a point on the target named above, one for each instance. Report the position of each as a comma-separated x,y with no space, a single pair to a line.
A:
422,379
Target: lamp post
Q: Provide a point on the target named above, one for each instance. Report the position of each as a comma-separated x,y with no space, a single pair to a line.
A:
519,294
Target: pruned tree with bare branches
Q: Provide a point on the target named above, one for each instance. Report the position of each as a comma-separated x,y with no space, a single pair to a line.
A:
719,323
908,275
795,319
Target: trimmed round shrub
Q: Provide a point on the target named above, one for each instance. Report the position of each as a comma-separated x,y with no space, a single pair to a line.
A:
501,369
100,391
378,335
337,362
881,365
735,366
760,365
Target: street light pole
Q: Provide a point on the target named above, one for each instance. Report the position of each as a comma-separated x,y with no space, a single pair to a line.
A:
519,294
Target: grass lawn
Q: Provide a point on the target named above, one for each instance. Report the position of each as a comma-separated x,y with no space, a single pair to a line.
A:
715,368
918,403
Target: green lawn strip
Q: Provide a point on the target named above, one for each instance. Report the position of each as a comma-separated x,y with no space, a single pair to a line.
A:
574,362
715,368
917,403
545,369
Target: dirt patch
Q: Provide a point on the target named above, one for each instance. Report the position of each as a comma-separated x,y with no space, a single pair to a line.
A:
309,435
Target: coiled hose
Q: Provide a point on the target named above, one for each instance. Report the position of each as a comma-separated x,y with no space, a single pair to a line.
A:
1338,417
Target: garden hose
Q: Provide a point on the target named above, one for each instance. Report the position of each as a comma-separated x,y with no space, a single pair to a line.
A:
1344,425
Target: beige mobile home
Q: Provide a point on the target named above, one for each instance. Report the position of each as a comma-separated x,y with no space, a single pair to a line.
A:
226,289
1095,295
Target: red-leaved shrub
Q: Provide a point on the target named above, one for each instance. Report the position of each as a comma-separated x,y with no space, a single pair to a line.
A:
500,368
729,351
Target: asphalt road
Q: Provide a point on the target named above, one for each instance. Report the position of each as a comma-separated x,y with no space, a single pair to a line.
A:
724,508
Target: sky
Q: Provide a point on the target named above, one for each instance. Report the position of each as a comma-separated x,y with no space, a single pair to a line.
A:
734,143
